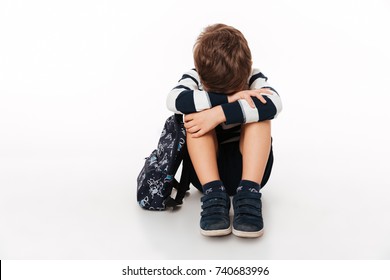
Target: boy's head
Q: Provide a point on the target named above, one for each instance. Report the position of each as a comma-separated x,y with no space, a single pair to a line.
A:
222,58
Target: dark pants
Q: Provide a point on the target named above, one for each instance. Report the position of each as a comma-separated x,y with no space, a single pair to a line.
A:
230,167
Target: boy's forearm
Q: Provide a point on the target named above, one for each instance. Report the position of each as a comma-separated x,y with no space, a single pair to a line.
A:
187,97
240,111
192,101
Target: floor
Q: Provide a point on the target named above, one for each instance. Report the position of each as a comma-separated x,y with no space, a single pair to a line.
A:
85,208
79,113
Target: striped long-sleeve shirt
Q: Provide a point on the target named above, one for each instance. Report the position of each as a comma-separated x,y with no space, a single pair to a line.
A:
189,97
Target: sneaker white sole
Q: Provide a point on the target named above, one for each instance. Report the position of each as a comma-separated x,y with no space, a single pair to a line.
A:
248,234
218,232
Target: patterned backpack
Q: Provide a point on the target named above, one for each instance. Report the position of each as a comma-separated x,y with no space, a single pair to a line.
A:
156,179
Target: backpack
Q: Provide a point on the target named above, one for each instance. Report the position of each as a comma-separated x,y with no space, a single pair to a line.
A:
156,179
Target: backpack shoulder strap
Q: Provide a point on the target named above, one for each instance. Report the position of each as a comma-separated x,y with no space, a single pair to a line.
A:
184,185
185,180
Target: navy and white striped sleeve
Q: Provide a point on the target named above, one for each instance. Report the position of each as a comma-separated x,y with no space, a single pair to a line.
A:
241,112
187,97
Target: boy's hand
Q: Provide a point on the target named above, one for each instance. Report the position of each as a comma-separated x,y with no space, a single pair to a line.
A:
198,124
247,95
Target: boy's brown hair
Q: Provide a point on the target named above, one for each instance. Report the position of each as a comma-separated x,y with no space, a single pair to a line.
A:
222,58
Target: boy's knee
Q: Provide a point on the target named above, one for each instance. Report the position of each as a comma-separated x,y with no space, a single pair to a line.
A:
203,141
265,123
209,136
256,130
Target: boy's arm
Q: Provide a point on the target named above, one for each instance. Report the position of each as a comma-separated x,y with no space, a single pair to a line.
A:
241,112
187,97
238,110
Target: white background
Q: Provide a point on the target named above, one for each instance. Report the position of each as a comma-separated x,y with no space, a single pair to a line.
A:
82,102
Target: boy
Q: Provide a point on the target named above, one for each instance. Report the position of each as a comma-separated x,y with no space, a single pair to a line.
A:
228,107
